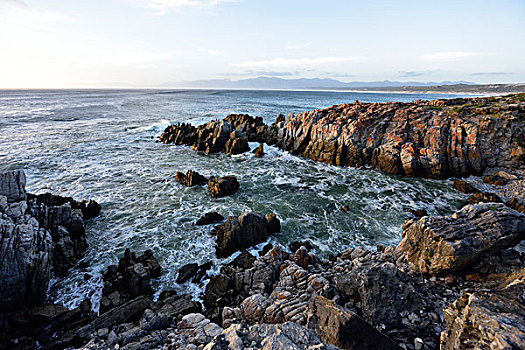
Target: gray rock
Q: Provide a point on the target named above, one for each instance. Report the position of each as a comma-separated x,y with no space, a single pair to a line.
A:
343,328
13,185
445,243
222,186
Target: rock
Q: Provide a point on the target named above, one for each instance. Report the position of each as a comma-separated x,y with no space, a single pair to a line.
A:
464,187
484,197
487,319
506,176
418,213
244,260
298,244
13,185
346,208
186,272
259,151
201,273
457,139
223,186
209,218
384,291
26,251
191,178
240,232
128,280
494,180
268,336
274,224
343,328
442,244
516,204
89,209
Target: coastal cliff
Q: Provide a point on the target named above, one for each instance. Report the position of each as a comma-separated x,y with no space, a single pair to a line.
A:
431,139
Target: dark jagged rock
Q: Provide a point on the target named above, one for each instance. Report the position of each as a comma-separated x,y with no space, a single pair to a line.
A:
418,213
244,260
209,218
186,272
223,186
201,273
298,244
90,209
273,224
259,151
128,280
242,232
343,328
464,187
191,178
484,197
437,245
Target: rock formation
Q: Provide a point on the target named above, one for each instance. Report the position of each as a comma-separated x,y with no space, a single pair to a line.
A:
433,139
190,179
223,186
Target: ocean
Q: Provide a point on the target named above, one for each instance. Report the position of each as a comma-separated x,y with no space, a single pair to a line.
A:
100,144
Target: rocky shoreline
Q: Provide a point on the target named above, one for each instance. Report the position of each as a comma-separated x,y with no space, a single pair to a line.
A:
453,282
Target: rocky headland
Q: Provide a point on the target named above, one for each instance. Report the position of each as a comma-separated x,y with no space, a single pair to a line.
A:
453,282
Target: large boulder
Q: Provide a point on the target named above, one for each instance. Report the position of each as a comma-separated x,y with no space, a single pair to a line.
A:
341,327
223,186
242,232
441,244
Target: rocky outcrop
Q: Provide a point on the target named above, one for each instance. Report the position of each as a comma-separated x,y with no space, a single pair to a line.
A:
268,336
259,151
225,136
492,319
464,187
39,233
223,186
191,178
433,139
128,280
244,231
438,245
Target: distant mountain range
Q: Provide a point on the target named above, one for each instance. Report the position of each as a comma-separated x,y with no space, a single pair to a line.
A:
303,83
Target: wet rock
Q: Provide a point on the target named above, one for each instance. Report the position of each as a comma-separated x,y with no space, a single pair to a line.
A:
241,232
484,197
273,224
186,272
343,328
259,151
191,178
446,243
244,260
209,218
418,213
201,273
464,187
494,180
223,186
298,244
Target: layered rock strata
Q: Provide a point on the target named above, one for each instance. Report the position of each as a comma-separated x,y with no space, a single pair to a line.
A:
433,139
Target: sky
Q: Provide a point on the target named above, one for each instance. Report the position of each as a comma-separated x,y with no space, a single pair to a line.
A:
155,43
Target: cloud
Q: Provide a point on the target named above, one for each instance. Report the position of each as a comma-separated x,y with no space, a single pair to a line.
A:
295,62
163,6
450,55
17,18
411,74
209,51
489,73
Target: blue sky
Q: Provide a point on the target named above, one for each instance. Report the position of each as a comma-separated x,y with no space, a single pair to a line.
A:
149,43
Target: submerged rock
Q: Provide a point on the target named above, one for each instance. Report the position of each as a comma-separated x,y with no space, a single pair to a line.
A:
441,244
209,218
223,186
